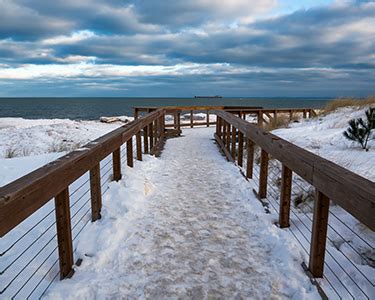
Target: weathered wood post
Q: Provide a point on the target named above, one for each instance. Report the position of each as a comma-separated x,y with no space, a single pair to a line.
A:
240,148
290,115
96,193
263,174
285,195
304,114
139,145
129,152
151,134
228,136
155,127
319,234
208,118
162,126
233,146
145,139
250,158
175,126
135,113
224,136
179,122
116,164
191,119
64,233
260,118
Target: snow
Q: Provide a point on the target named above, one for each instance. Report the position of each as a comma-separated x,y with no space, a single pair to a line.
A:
324,137
23,137
185,225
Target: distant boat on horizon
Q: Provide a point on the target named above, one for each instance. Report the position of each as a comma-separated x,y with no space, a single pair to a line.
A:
216,96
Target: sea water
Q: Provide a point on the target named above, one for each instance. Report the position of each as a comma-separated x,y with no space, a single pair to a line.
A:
94,108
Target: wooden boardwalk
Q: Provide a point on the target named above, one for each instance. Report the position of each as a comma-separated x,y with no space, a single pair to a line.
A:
202,235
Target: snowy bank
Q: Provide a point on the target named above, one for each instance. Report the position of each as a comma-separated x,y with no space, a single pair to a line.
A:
324,136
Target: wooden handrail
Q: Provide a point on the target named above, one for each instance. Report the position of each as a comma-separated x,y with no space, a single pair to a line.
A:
22,197
352,192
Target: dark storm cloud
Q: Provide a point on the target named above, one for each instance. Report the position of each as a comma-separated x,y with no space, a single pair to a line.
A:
316,48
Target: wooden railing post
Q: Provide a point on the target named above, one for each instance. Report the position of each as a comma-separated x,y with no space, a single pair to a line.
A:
218,126
304,114
179,121
145,139
129,152
319,234
224,136
116,164
96,193
155,126
208,118
260,118
227,143
285,195
136,113
139,145
240,148
191,119
263,174
233,146
64,233
162,127
175,119
250,158
151,134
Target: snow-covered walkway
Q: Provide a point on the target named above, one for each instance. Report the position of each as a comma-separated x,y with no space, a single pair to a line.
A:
185,225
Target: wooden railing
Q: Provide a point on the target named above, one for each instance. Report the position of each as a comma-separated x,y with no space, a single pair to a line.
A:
352,192
261,116
23,197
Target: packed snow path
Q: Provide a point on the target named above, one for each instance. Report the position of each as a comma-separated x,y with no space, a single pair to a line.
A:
185,225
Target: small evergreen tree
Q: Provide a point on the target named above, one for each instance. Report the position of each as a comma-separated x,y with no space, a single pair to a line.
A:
360,130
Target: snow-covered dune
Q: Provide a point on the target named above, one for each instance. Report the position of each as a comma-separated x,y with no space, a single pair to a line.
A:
324,136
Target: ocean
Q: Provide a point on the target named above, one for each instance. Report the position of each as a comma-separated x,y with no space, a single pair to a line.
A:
94,108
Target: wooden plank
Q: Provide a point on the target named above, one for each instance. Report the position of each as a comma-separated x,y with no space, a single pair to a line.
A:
352,192
233,145
285,196
64,234
139,145
96,193
250,158
22,197
116,164
319,235
129,153
240,149
263,174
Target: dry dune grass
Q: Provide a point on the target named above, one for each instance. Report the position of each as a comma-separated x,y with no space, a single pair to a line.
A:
344,102
282,121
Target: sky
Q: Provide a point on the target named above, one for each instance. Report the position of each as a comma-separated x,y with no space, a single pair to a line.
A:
172,48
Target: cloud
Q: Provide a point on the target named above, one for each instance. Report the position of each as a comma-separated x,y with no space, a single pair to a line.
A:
154,44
